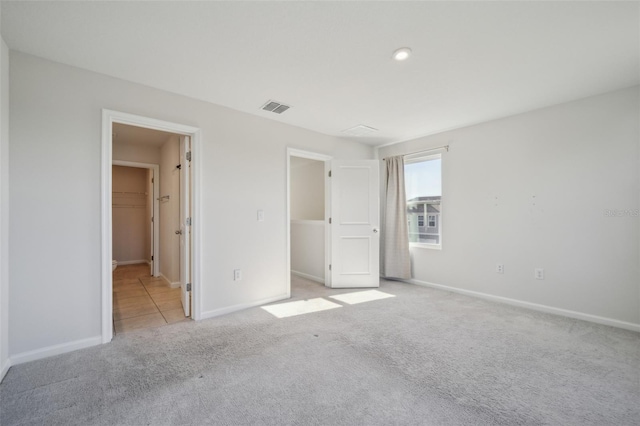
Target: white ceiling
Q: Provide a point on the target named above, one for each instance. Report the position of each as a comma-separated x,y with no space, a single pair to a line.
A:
132,135
331,61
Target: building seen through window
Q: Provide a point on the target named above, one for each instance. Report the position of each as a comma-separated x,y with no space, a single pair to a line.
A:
423,185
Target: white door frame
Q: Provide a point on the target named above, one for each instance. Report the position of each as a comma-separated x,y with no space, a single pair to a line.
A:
292,152
108,118
156,208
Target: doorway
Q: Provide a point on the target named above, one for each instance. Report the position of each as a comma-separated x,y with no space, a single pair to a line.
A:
135,189
351,220
176,273
308,208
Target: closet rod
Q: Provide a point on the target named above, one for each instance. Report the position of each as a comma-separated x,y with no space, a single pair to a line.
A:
125,192
445,147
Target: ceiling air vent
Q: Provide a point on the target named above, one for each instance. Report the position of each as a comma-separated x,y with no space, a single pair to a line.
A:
276,107
360,130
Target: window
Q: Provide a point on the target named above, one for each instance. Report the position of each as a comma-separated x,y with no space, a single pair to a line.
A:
423,186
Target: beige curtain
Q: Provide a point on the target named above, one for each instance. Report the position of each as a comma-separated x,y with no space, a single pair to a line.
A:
396,262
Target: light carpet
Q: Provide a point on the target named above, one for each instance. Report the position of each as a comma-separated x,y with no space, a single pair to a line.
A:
423,357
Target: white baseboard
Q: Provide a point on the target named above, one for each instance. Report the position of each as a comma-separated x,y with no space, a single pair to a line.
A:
55,350
307,276
241,306
5,368
175,284
534,306
131,262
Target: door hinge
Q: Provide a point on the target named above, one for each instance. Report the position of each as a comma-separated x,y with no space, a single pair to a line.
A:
151,180
329,266
151,257
188,286
188,155
151,219
329,173
188,221
329,221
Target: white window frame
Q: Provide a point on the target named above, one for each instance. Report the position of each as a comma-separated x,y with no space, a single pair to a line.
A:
410,159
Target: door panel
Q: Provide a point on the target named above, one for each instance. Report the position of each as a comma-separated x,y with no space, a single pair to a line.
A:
352,196
355,221
358,251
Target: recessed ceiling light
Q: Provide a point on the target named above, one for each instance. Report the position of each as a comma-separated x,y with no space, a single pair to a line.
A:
401,54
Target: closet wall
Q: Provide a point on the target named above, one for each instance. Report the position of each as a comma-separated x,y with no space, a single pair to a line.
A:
136,153
131,228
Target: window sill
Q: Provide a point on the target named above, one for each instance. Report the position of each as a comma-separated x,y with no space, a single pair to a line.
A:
426,246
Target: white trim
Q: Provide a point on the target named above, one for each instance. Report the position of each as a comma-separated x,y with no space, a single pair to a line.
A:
307,276
106,232
534,306
175,284
196,224
55,350
292,152
241,306
5,369
132,262
156,208
426,246
108,118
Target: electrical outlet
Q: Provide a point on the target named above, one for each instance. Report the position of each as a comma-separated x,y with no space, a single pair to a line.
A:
499,268
237,274
539,273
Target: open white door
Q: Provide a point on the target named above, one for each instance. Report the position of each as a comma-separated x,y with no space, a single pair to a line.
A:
355,223
150,197
185,223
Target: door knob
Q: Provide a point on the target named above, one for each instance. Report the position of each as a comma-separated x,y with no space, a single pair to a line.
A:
375,230
178,232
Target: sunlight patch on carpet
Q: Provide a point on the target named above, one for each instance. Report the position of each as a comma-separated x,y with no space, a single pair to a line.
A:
300,307
361,296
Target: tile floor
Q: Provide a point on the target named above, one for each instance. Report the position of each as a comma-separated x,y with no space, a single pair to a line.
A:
143,301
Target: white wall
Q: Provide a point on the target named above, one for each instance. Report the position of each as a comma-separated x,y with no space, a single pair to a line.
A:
307,248
170,210
4,208
55,145
137,153
307,189
532,191
130,225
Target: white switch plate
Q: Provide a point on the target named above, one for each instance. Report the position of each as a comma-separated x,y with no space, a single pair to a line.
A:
237,274
499,268
539,272
260,215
